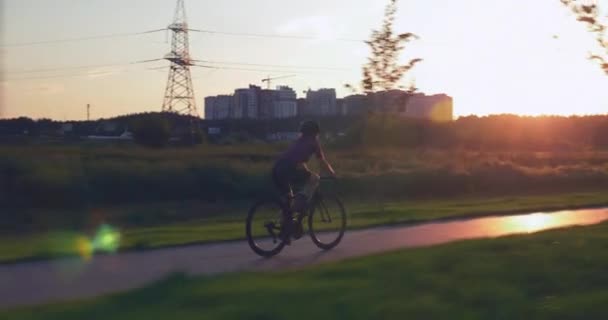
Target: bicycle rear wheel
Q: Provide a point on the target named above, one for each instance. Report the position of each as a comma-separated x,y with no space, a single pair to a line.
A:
263,228
327,222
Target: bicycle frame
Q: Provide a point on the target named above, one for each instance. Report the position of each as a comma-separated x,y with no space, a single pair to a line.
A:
315,201
286,202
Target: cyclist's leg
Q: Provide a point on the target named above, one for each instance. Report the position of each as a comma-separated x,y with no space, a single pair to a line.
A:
282,175
310,184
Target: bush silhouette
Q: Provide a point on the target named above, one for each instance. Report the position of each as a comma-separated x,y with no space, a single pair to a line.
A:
152,131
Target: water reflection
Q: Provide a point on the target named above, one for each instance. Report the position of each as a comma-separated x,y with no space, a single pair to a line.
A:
436,233
543,221
535,222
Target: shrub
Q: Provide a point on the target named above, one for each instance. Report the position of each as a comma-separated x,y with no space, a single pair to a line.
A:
152,130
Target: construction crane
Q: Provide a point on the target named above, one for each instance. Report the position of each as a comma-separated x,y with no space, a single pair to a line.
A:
269,79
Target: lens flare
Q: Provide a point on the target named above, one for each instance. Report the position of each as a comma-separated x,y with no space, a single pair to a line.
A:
84,247
107,239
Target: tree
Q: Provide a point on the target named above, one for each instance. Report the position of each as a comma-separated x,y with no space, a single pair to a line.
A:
588,12
383,70
151,130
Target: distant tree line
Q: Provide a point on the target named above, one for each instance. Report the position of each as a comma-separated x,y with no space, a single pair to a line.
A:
375,129
149,129
498,132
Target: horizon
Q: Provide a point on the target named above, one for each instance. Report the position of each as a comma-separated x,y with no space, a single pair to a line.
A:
456,117
480,63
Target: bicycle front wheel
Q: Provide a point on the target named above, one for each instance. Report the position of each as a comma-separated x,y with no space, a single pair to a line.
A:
263,228
327,222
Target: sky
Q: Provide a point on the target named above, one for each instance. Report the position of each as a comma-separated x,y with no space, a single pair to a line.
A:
493,57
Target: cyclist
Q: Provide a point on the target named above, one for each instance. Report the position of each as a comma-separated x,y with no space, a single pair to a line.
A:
291,167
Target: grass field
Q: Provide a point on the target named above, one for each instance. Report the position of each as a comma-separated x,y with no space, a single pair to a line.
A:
558,274
196,222
82,176
54,195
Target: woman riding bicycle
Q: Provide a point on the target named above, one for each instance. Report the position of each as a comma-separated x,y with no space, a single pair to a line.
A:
291,167
270,219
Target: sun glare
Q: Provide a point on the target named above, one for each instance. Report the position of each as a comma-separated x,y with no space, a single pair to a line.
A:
534,222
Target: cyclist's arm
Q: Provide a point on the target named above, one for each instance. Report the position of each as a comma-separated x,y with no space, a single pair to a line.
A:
323,163
327,167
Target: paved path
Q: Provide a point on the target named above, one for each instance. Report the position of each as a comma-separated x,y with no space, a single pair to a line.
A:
35,283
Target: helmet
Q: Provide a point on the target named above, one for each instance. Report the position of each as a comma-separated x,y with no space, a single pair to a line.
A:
310,128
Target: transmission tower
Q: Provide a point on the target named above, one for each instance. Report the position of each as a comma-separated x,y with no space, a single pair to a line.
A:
179,95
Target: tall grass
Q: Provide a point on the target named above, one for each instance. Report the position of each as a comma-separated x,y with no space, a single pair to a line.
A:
79,176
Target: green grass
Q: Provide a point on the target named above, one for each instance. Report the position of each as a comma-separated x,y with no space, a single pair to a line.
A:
78,176
559,274
200,223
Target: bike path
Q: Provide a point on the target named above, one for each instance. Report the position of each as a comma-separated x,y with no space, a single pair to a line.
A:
42,282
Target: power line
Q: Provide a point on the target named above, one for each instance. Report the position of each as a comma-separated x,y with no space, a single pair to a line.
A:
43,70
253,65
304,37
78,39
240,69
61,76
206,31
256,70
272,65
100,73
213,32
211,64
216,66
277,36
159,68
58,76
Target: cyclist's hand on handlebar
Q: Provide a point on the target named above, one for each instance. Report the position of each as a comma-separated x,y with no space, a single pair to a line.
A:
326,167
330,176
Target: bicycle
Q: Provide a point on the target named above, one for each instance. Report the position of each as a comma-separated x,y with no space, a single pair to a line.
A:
265,238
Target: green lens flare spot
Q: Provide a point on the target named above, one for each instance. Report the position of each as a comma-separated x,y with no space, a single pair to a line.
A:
107,239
